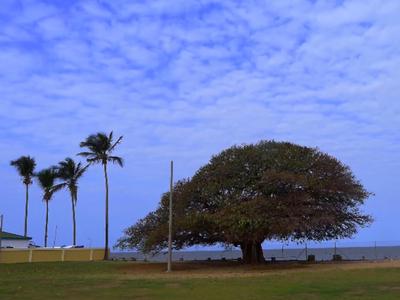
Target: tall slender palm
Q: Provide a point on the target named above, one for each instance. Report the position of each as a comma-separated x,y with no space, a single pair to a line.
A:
69,172
46,179
25,166
100,149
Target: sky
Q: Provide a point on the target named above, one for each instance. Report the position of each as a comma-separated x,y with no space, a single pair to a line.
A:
185,79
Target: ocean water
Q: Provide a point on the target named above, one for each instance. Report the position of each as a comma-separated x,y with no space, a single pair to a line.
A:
321,254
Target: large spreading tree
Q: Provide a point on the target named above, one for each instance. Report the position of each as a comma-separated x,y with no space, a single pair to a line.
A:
252,193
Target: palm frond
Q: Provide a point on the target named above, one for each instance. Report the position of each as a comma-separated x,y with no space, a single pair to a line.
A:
116,159
95,160
46,179
86,154
58,187
119,140
25,166
100,147
81,170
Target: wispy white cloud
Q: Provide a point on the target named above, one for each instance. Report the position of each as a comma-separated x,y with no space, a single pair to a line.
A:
184,79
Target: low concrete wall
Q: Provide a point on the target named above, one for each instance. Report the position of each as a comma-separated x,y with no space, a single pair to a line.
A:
48,254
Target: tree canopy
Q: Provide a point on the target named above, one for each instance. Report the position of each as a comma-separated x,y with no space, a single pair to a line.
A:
251,193
100,147
25,166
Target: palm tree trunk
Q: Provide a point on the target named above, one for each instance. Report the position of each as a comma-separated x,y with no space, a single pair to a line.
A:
47,223
73,220
26,209
106,237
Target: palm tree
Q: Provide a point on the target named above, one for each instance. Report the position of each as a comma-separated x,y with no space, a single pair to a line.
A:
69,172
101,147
25,166
46,179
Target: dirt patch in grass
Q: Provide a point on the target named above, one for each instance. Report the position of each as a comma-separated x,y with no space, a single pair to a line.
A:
234,269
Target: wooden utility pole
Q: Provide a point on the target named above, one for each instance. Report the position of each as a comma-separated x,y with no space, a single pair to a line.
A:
171,188
1,229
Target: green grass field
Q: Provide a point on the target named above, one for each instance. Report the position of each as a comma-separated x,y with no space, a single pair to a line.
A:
127,280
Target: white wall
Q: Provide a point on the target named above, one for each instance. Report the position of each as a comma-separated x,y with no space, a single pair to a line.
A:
15,243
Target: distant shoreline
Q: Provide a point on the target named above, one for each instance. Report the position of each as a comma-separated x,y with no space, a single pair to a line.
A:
321,254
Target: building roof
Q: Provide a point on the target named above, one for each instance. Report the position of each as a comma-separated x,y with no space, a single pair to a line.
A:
12,236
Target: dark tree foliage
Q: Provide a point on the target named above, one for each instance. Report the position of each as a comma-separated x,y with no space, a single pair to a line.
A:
252,193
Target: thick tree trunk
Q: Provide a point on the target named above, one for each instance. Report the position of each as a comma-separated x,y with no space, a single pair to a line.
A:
26,210
252,252
73,221
47,223
106,237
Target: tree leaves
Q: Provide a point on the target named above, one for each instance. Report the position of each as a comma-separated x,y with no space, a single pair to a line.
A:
25,166
250,193
101,146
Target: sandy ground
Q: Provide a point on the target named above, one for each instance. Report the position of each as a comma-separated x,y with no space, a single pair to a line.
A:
230,269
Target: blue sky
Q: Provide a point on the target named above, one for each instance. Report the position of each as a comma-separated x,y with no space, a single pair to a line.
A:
185,79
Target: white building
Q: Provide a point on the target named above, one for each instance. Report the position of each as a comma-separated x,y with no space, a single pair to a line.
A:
14,240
